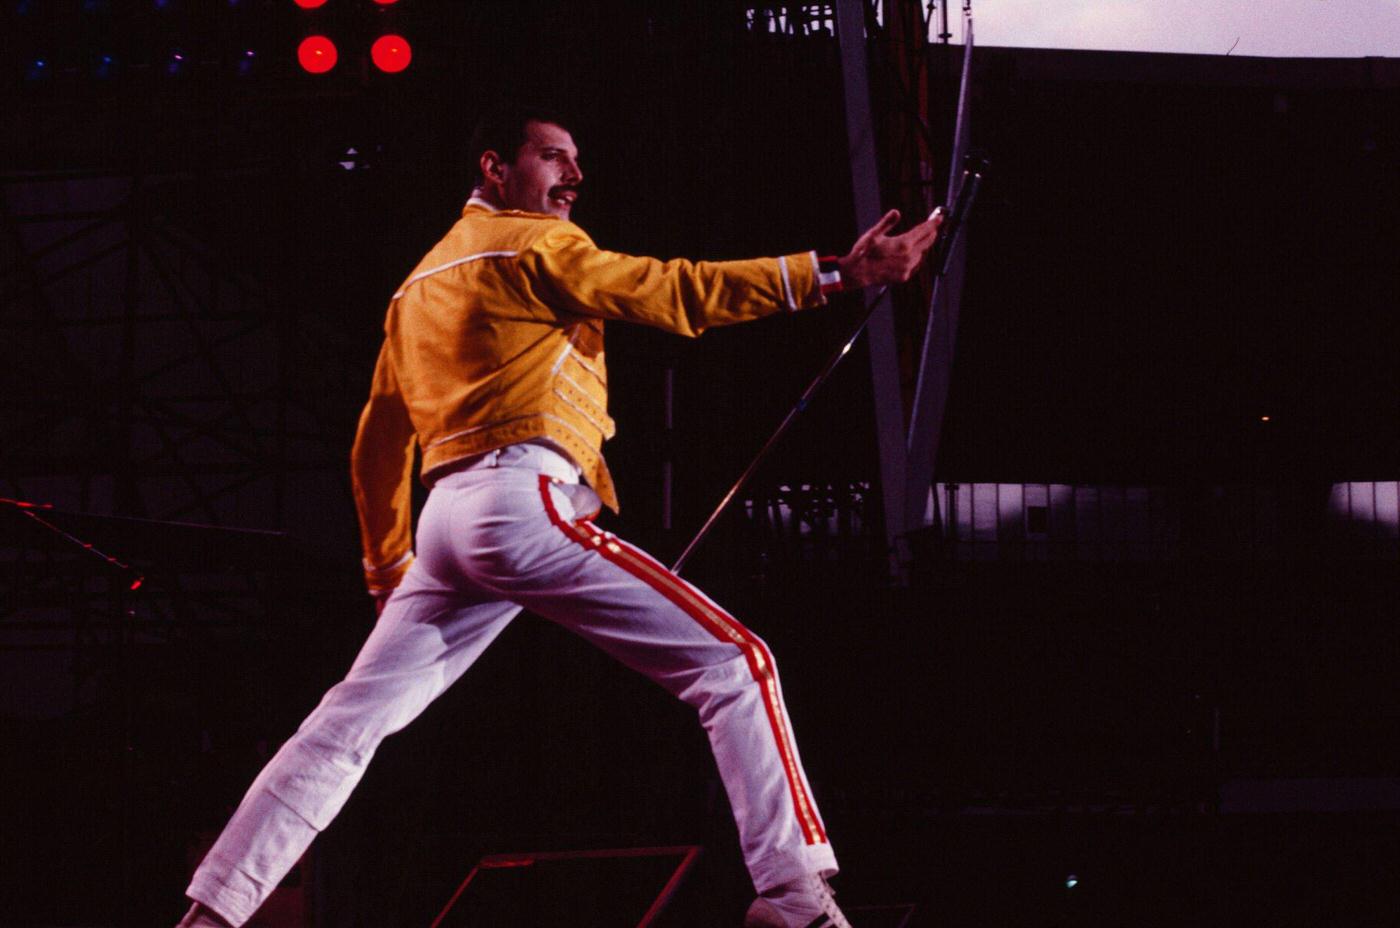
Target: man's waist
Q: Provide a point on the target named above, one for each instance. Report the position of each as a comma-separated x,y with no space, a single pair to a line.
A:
539,455
571,440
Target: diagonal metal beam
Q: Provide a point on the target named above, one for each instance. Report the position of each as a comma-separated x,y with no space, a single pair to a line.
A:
936,360
880,335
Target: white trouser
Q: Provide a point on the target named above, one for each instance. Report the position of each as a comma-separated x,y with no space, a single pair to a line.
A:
494,537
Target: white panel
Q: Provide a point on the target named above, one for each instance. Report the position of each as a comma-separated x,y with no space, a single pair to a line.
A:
962,500
1088,522
1061,502
1363,503
1088,514
984,512
1011,513
1060,506
1388,508
1339,505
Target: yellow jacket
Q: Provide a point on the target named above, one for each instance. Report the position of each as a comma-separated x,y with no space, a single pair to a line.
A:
497,338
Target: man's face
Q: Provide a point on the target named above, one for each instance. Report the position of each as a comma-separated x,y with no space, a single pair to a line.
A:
545,175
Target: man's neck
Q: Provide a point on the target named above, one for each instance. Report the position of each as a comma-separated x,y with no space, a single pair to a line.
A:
482,197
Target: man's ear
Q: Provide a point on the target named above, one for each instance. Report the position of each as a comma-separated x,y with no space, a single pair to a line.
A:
492,167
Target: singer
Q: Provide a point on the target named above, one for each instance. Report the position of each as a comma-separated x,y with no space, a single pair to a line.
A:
492,366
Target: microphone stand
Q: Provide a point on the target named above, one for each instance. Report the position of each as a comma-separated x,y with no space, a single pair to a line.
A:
973,168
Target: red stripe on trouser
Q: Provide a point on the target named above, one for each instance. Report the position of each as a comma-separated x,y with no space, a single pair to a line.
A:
719,624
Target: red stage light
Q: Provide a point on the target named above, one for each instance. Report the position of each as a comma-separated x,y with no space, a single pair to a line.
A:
386,2
309,4
391,53
317,54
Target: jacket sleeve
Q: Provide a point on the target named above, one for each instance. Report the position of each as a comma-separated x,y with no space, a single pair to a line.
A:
571,273
381,471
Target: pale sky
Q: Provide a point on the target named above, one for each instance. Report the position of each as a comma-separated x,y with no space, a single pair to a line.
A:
1271,28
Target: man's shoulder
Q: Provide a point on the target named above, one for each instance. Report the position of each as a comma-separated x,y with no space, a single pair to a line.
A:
497,234
510,229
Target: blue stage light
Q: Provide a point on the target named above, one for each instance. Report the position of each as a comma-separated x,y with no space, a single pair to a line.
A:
247,61
1071,881
104,67
38,70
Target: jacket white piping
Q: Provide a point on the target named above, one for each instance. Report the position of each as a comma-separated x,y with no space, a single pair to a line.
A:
578,359
476,428
568,346
451,264
370,568
584,438
584,393
602,429
787,285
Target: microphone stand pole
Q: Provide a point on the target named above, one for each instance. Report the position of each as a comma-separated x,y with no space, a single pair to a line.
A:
967,191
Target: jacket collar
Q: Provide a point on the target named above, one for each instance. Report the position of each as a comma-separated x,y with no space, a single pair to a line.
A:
480,202
477,201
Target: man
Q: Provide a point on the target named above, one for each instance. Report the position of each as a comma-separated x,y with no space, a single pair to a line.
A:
492,365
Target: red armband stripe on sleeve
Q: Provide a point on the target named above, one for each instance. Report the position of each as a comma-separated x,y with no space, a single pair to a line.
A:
829,275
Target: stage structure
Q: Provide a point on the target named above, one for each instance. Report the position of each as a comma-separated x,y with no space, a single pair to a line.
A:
909,369
154,379
893,77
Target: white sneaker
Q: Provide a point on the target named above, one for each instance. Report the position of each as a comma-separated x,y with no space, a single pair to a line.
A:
808,902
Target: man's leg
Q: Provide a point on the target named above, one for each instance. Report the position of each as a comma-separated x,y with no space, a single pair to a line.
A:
649,619
426,638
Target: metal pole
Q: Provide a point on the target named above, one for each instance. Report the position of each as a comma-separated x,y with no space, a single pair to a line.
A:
948,234
781,430
940,334
884,352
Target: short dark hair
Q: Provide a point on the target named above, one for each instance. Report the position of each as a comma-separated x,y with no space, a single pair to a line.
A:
502,130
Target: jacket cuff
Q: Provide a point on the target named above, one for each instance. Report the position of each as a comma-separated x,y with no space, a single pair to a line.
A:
800,284
829,275
381,581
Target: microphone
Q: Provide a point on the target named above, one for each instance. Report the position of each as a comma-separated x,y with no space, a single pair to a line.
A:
974,166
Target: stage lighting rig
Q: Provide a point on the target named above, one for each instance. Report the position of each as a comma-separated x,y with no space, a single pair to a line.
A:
317,54
364,29
38,70
391,53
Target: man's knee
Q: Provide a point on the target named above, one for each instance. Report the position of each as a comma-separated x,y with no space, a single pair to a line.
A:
712,687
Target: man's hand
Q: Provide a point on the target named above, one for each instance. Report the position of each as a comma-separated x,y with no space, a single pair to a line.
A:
879,258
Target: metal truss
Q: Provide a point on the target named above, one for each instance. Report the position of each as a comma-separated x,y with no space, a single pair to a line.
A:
815,523
895,80
148,379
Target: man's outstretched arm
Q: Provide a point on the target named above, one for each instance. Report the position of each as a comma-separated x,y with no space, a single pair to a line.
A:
687,297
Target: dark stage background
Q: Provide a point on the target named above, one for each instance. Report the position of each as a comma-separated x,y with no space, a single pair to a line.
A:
1168,249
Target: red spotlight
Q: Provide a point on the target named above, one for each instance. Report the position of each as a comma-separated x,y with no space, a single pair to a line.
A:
317,54
310,4
386,2
391,53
